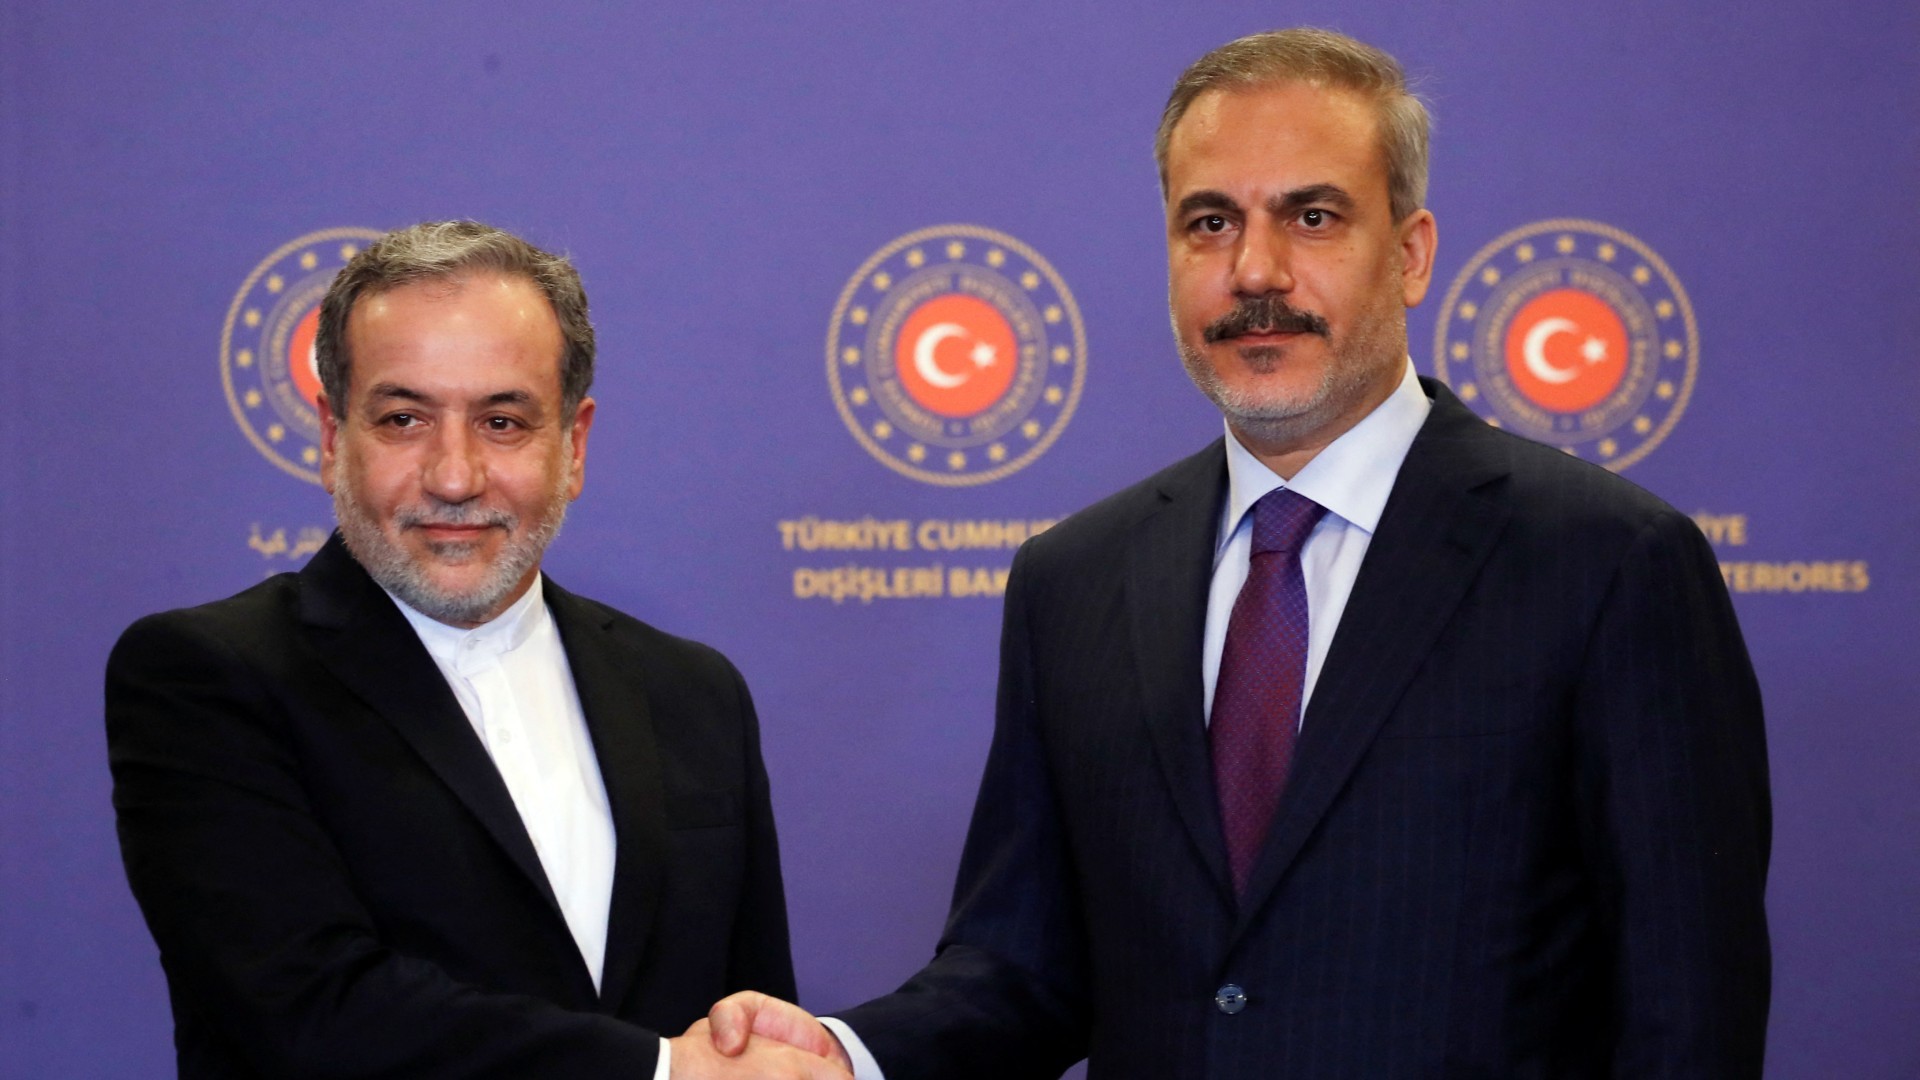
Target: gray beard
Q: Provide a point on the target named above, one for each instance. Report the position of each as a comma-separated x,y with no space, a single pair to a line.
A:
1272,421
396,571
1353,370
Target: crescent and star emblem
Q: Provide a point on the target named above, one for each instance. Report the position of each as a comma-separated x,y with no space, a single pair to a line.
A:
955,355
1572,333
1593,350
983,355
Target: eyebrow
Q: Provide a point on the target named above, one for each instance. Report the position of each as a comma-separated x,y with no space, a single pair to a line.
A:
386,391
1205,200
1284,203
1324,194
509,397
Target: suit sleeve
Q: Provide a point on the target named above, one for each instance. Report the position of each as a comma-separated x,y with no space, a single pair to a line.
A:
258,925
1673,777
761,958
1006,993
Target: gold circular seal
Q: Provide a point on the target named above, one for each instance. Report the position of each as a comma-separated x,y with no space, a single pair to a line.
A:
1572,333
266,347
956,355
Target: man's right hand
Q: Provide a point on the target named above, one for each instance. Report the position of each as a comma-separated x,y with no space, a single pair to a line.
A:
696,1057
749,1013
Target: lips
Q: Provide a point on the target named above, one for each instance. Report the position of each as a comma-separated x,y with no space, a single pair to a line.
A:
452,522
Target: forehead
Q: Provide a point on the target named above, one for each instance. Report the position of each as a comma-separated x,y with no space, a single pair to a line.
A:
1287,134
481,325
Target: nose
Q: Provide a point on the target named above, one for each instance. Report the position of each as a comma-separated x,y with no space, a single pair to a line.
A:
1262,263
454,470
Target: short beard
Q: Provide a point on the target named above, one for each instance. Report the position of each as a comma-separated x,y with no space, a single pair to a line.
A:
1265,420
1350,372
395,569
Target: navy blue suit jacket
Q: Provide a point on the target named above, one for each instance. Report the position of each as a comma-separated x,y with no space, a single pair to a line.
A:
1526,834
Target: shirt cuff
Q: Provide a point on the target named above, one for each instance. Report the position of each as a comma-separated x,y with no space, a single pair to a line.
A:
864,1067
664,1067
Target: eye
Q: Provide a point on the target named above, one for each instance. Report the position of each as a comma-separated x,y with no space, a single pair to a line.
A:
500,425
1212,223
401,420
1314,219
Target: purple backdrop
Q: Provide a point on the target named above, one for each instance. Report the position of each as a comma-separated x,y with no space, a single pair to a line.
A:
720,172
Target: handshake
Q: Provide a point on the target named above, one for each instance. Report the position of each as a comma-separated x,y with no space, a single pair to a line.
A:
751,1034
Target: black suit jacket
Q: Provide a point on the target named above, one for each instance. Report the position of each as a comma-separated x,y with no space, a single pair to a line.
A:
1526,834
339,882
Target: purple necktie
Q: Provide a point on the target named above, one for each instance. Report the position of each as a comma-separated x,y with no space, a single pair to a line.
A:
1263,669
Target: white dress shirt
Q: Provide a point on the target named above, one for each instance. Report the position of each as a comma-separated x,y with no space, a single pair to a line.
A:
1352,478
512,678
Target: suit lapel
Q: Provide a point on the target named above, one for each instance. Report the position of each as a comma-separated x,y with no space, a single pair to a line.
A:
366,643
614,698
1170,566
1437,528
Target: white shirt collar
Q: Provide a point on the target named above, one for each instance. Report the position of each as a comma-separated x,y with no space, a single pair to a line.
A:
1352,477
504,633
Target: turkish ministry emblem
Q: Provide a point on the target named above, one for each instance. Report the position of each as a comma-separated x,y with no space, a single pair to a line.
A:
956,355
266,347
1574,334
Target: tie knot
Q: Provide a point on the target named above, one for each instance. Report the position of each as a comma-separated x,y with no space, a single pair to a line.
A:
1281,521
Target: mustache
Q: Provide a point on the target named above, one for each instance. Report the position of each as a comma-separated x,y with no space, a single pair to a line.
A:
1268,313
443,513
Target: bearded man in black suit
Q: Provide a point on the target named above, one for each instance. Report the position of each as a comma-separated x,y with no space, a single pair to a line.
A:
1369,741
416,810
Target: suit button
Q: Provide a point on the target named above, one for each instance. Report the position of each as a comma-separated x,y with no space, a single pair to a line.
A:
1230,999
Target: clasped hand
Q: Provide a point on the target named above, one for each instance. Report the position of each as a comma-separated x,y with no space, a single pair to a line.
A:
753,1035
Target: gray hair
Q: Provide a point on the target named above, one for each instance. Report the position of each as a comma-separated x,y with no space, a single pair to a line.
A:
1318,58
446,249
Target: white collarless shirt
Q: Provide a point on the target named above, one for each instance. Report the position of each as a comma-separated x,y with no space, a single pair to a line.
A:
512,679
1352,478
